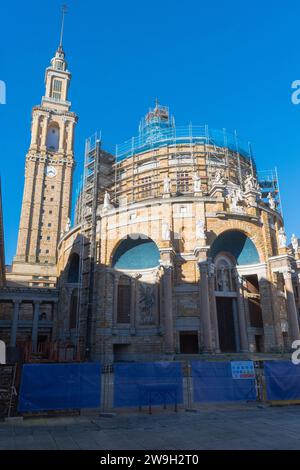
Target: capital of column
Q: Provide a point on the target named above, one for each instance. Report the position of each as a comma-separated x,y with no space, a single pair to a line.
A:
288,274
200,253
167,267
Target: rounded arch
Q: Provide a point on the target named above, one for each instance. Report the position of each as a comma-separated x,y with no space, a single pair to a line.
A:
237,244
52,140
136,251
73,268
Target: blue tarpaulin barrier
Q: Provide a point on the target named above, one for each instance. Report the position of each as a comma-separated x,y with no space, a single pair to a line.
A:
60,386
148,384
282,380
216,382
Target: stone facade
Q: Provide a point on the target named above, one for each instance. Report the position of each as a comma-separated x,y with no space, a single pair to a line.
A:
223,281
175,250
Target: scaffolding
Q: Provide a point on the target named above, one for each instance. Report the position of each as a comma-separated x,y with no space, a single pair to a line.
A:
96,178
180,149
269,184
158,136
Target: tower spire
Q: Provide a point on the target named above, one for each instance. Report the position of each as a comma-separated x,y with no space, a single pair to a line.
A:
64,10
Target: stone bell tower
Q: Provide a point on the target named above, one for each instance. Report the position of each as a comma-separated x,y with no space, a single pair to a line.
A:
48,180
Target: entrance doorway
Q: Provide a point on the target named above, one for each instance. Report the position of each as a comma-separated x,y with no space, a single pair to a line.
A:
226,324
189,342
122,352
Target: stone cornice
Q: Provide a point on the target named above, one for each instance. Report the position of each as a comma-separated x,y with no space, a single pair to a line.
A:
50,159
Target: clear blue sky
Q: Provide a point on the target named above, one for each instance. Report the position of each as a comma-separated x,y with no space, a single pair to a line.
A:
225,63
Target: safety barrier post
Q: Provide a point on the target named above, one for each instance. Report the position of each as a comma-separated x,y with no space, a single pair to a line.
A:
189,385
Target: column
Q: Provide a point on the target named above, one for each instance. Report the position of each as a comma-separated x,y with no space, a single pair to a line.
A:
55,319
133,285
115,301
242,315
70,137
62,136
14,324
291,306
34,130
270,313
237,334
44,132
213,307
205,308
168,310
35,325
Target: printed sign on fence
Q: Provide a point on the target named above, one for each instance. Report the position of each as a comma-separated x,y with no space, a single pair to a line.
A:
242,370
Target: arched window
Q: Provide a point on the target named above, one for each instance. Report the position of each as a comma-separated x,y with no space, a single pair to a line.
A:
73,271
52,141
136,253
238,245
73,309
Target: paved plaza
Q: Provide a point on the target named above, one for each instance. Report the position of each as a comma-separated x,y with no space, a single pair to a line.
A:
211,427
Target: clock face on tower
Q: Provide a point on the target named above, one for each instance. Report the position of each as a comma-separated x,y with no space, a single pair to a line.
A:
50,171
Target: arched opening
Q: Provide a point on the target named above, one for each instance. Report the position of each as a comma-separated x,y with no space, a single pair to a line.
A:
226,302
52,140
135,252
240,247
73,309
73,270
231,249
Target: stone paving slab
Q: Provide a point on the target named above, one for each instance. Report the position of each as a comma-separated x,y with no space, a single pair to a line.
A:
212,427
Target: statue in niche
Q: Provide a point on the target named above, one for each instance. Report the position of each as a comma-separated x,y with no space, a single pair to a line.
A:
197,183
167,185
282,238
295,243
146,304
223,279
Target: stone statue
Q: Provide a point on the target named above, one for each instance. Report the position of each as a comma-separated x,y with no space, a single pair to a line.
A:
250,183
223,279
166,231
197,183
167,185
218,177
282,238
295,243
200,232
106,204
236,197
272,202
68,225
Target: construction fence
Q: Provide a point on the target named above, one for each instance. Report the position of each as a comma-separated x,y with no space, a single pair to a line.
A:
48,387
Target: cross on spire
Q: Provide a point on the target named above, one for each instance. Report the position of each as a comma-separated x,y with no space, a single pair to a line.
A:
64,10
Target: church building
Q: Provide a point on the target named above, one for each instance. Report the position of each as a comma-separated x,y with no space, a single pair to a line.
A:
178,244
